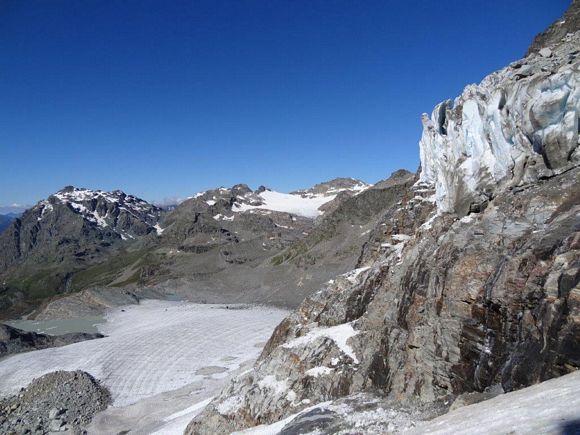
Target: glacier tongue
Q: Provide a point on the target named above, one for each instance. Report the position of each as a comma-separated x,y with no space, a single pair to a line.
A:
518,125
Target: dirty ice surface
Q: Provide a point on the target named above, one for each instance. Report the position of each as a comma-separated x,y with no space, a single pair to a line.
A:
156,347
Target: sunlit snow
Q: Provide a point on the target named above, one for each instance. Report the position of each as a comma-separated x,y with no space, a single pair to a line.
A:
288,203
340,334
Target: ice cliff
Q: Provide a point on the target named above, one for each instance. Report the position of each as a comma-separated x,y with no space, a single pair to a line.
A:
518,125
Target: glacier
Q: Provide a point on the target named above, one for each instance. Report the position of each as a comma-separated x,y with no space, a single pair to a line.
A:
519,125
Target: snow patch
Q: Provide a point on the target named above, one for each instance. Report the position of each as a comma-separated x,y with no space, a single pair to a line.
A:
275,428
230,405
221,217
353,275
542,408
318,371
340,334
271,383
288,203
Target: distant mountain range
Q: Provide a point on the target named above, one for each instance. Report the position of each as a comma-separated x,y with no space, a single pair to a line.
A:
222,244
6,220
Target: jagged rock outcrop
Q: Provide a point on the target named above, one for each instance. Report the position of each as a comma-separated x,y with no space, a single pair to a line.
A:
569,23
472,282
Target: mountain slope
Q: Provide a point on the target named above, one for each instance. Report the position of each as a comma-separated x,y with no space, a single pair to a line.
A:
236,244
220,245
472,282
74,228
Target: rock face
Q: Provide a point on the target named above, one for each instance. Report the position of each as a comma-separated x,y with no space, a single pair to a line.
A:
14,340
56,402
470,284
554,34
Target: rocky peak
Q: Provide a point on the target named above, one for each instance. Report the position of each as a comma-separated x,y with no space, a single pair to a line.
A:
69,231
241,189
568,23
76,222
127,215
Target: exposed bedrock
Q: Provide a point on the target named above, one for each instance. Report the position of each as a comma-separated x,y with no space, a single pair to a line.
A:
462,305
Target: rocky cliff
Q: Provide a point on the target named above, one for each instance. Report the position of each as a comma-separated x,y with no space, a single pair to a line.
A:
471,282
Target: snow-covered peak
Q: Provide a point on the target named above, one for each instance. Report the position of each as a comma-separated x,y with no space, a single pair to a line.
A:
307,203
77,195
334,187
127,215
518,125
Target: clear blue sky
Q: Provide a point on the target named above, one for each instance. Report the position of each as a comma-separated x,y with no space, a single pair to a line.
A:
166,98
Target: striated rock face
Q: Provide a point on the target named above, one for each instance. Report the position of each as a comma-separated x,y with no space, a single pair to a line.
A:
471,283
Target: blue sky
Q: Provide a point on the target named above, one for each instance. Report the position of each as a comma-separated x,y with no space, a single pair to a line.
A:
167,98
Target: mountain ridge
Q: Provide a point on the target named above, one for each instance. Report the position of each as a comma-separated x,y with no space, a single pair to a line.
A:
80,238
